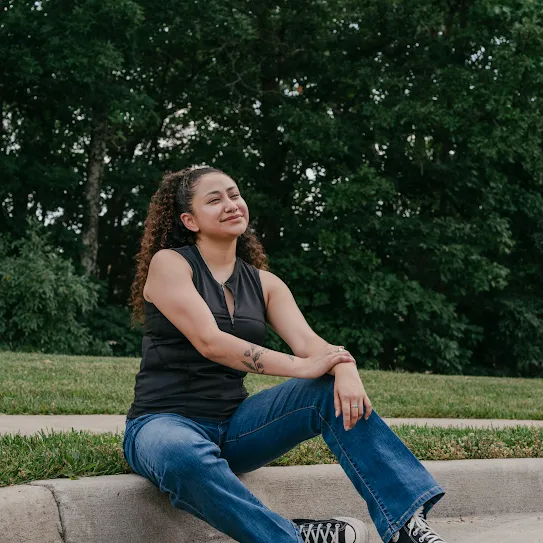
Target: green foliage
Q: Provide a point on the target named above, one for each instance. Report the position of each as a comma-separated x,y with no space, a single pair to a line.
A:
112,332
390,154
41,297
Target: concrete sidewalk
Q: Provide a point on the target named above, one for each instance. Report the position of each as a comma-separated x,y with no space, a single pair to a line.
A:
486,501
30,424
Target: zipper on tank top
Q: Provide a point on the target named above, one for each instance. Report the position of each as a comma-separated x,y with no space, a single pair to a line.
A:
222,287
226,305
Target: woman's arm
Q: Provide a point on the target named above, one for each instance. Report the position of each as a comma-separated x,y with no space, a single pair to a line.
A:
285,317
169,286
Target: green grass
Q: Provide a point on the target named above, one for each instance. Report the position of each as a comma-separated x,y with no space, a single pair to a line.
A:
51,384
78,454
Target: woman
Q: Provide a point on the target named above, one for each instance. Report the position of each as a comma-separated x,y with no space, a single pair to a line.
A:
203,286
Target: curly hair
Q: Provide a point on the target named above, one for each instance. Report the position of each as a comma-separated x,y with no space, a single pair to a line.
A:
163,229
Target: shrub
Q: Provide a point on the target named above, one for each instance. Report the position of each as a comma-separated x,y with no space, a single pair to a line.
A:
42,299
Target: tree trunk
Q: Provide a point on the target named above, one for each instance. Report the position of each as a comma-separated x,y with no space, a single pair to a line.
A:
273,147
95,171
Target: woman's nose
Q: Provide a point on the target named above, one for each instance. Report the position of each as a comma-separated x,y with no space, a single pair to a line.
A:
230,205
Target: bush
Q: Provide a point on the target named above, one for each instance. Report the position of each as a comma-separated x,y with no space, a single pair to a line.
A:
111,329
42,299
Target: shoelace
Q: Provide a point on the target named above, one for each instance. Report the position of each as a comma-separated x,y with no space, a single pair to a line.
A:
317,533
417,524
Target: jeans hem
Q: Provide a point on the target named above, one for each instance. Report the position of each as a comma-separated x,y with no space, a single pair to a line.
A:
434,492
297,532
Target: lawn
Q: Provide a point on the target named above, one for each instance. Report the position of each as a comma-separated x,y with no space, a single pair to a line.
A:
52,384
79,454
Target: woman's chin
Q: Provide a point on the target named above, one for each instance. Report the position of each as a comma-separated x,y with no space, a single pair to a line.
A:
237,225
234,231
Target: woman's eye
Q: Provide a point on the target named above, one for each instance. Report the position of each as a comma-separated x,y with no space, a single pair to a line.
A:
218,199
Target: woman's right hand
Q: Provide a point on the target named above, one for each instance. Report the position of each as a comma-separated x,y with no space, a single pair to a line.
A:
321,363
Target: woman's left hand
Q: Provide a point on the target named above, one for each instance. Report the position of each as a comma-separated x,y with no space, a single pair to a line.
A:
349,390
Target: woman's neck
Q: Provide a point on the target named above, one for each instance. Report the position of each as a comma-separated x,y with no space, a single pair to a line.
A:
218,257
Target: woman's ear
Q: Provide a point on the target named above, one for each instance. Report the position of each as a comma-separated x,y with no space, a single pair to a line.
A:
190,223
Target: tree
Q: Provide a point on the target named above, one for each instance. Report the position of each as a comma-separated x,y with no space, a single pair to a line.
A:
390,154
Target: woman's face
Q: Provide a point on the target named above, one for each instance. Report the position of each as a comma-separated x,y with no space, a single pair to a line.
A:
216,200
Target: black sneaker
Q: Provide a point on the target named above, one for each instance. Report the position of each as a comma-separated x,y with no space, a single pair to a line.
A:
416,530
334,530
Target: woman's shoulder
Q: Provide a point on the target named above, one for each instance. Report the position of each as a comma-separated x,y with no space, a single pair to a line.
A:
166,255
167,261
183,249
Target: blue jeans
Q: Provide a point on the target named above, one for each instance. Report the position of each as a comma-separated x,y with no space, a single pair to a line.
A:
196,460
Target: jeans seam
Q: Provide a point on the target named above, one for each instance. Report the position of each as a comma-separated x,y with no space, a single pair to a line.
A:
152,470
177,497
377,501
271,422
395,526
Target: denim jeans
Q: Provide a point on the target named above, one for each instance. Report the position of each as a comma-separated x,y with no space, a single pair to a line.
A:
196,460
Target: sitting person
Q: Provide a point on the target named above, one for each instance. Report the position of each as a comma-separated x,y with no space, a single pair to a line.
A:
203,286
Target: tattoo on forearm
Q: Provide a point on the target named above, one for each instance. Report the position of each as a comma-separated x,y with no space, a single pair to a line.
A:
254,353
291,356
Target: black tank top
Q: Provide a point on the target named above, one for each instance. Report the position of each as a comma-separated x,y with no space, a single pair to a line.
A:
174,377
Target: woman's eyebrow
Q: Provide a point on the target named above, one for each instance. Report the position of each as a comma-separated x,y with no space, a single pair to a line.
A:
218,191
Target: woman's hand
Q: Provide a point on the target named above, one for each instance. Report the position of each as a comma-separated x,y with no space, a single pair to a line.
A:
332,371
320,363
348,391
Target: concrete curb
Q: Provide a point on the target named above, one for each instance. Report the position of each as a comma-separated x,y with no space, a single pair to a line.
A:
30,514
130,509
30,424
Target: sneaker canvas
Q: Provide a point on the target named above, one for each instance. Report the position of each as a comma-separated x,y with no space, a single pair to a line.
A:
334,530
416,530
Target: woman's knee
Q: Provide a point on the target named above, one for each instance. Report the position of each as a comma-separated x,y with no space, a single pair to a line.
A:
319,390
322,385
